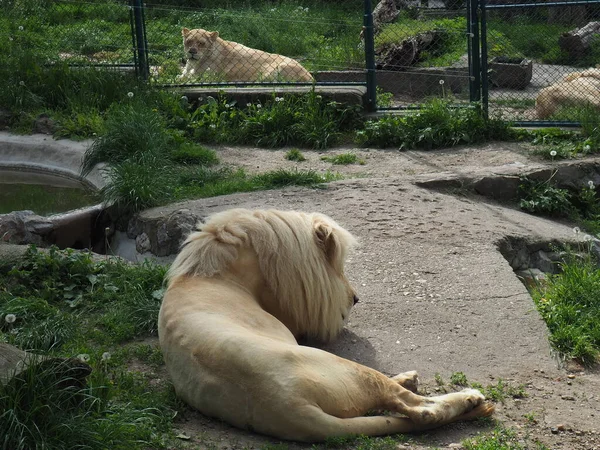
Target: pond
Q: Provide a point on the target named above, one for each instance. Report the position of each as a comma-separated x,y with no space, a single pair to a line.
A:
43,194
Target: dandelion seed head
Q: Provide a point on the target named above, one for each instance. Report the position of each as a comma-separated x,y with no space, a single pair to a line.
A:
83,357
576,230
587,148
20,27
553,153
591,184
130,94
106,356
442,81
10,318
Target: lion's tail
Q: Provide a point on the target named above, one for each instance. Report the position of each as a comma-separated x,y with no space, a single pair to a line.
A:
329,426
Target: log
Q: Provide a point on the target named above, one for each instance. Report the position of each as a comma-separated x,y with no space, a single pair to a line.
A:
401,55
577,42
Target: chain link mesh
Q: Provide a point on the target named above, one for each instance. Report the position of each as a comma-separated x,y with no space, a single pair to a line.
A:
542,61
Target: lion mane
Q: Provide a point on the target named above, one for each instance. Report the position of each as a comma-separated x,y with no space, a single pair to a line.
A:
291,256
242,290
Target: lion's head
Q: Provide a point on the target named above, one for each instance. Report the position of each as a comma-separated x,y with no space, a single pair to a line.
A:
198,43
298,258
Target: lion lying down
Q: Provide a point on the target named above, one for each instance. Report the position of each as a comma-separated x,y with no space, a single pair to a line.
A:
207,54
576,89
240,292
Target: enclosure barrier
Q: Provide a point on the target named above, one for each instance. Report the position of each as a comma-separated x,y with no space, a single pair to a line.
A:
531,62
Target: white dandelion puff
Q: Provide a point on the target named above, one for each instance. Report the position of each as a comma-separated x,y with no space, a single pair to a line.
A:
553,153
442,81
10,318
576,230
591,184
83,357
106,356
130,94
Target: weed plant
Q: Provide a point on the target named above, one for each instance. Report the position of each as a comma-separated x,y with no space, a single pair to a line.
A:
66,304
435,125
295,155
307,120
502,438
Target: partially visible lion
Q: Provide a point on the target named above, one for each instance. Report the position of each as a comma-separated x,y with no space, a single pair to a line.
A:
209,55
576,89
240,293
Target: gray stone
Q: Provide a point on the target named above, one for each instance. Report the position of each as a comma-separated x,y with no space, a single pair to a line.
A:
14,229
540,260
44,125
163,234
521,260
142,243
499,188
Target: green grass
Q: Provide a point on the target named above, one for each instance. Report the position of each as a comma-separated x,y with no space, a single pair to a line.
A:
446,50
295,155
502,439
65,304
570,305
343,159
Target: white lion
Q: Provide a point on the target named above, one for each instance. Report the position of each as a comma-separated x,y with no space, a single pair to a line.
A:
240,292
576,89
208,55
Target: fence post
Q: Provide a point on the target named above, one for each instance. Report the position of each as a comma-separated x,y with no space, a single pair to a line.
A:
484,61
474,56
140,46
370,57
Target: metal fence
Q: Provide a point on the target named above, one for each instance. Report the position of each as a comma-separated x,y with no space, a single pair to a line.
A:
505,56
541,60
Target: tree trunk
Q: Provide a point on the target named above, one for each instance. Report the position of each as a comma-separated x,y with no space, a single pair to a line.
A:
577,42
404,54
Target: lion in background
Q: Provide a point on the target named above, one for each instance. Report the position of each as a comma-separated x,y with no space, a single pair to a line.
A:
207,54
240,292
577,88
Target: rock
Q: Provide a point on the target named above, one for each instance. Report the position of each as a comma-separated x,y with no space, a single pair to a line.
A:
24,227
499,188
561,427
554,430
44,125
568,398
142,243
542,261
163,235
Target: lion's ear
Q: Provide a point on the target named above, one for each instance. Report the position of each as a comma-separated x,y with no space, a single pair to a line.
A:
185,31
327,240
214,35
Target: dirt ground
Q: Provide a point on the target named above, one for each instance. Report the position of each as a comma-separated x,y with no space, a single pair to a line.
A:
437,296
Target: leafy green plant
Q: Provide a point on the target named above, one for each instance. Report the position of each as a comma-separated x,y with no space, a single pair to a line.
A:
295,155
436,124
459,379
544,198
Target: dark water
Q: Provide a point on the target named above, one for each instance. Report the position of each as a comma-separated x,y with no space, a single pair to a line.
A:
44,200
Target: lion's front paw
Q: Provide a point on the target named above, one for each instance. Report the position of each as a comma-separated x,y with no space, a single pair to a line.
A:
472,398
